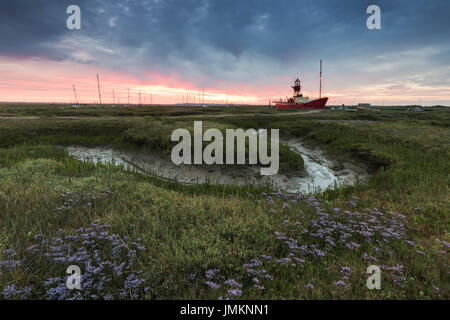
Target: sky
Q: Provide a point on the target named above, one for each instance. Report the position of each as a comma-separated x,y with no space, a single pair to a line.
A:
240,51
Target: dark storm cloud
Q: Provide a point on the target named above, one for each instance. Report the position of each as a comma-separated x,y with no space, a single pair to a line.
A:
168,32
26,25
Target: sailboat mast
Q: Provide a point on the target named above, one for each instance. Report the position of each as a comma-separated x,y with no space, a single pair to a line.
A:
99,94
75,94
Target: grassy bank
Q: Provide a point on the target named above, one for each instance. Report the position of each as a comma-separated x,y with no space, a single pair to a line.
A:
135,236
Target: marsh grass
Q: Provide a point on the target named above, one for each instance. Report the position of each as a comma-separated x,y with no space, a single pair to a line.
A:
196,238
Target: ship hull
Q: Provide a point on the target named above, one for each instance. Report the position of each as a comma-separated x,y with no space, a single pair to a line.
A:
314,104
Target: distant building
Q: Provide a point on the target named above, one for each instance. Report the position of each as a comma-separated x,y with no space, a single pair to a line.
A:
416,109
364,105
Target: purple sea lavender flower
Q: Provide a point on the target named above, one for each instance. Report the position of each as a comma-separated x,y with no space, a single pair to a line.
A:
233,283
369,257
213,285
319,253
10,291
346,270
51,281
352,245
10,253
253,263
286,206
268,276
33,248
280,235
26,292
192,276
397,268
284,260
10,264
133,282
352,203
292,245
341,283
445,243
234,292
252,271
298,260
399,280
211,273
411,243
309,286
330,241
57,293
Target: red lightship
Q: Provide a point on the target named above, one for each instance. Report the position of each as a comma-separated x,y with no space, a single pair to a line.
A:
298,101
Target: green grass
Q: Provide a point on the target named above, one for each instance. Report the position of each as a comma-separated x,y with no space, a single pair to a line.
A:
188,230
65,110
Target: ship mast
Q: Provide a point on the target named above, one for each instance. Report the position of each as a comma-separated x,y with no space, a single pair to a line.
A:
320,89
